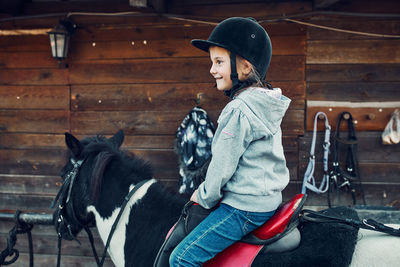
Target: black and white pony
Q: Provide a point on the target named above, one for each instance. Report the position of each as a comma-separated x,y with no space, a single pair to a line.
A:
99,175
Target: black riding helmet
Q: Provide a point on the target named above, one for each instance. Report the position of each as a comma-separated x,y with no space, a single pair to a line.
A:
243,37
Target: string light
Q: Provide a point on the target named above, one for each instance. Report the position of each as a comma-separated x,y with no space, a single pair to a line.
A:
213,23
343,30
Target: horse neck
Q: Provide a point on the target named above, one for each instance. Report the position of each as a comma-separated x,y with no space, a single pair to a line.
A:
152,219
104,224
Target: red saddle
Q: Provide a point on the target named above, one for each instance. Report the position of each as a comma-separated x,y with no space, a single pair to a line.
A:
243,253
278,234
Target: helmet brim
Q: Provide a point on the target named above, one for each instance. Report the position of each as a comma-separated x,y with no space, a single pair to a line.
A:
204,44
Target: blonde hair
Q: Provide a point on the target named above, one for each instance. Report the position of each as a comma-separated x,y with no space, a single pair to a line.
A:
256,77
253,76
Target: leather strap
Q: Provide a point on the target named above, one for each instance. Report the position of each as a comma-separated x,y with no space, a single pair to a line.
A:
344,178
237,84
369,224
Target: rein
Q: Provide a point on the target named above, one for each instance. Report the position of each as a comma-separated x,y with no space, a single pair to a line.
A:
369,224
341,178
114,226
64,196
309,180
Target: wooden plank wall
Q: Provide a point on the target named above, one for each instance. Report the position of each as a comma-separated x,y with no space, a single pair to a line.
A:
140,74
143,79
137,81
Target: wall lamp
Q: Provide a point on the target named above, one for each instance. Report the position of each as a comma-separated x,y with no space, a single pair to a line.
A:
59,39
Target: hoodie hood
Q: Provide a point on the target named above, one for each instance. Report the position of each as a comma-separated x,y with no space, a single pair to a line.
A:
268,105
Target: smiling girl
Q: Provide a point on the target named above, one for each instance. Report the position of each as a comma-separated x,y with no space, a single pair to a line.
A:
248,169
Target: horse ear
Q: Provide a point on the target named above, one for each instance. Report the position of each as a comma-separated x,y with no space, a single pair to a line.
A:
118,138
73,144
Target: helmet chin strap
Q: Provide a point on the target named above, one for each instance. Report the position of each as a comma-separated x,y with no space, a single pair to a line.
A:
236,83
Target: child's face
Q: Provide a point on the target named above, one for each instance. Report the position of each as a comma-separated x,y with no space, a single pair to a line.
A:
221,67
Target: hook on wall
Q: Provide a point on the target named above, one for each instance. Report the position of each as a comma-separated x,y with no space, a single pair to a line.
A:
198,98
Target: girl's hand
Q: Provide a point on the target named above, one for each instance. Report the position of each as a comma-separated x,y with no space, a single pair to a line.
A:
194,196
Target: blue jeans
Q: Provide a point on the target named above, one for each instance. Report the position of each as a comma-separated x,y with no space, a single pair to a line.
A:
219,230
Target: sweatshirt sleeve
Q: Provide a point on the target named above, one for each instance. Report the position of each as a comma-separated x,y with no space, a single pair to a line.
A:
231,139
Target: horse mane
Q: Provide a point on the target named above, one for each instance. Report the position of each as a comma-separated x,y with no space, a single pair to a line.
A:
105,152
101,162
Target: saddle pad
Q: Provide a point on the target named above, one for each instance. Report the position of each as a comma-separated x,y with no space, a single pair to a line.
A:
322,244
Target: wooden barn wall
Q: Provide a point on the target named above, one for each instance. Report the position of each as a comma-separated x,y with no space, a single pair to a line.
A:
142,75
143,79
136,80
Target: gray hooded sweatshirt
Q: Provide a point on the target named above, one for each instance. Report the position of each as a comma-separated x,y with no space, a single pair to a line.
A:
248,167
